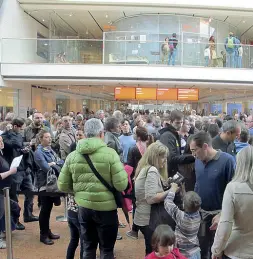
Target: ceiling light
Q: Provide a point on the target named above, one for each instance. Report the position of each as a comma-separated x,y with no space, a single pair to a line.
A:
87,32
210,19
243,21
70,14
43,20
106,16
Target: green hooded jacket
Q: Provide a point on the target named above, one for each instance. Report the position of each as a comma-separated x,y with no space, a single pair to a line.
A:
77,177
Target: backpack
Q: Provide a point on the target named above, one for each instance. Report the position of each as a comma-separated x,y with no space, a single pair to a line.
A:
230,43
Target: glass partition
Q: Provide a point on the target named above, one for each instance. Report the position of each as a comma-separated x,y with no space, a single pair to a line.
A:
130,48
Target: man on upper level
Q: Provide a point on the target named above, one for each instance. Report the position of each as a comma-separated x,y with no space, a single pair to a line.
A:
173,41
230,46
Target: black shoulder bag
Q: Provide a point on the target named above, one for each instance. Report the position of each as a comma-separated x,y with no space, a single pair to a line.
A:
117,195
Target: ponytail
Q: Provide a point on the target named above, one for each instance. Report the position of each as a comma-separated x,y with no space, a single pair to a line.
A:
150,139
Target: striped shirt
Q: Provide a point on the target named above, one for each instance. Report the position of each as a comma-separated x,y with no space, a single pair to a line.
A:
187,227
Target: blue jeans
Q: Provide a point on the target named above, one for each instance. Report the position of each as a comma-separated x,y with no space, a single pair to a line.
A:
75,233
230,58
206,61
197,255
239,62
172,56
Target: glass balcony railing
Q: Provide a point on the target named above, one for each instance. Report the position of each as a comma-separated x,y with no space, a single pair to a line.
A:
124,52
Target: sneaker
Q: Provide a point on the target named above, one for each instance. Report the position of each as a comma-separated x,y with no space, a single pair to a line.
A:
121,225
119,237
2,235
2,244
132,234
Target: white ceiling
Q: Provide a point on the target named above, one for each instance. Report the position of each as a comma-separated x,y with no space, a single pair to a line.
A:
78,20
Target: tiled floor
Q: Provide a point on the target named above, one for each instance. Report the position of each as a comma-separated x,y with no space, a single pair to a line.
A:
26,243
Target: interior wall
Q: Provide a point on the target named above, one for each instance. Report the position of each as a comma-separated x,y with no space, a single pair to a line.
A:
16,24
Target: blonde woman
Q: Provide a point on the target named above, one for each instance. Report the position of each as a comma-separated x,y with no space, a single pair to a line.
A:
234,235
150,176
165,50
53,123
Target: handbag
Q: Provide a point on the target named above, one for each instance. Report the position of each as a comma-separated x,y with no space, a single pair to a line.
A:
51,184
159,216
117,195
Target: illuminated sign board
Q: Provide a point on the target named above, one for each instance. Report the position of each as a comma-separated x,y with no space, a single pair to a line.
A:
124,93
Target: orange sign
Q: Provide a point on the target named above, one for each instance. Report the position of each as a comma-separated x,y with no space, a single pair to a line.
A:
109,28
146,93
188,94
166,94
124,93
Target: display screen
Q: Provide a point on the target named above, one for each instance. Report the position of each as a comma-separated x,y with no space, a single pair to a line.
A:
166,94
146,93
124,93
188,94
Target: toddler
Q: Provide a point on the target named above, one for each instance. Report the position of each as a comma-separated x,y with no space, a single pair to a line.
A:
163,240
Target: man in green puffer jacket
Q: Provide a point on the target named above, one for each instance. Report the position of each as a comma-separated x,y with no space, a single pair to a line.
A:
97,207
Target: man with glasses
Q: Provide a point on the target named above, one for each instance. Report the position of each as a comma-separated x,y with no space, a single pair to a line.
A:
169,137
214,170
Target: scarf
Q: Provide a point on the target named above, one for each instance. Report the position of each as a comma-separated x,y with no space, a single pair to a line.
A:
142,146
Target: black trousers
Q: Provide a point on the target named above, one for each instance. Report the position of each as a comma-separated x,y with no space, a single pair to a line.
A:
147,233
98,227
23,182
206,238
134,227
47,203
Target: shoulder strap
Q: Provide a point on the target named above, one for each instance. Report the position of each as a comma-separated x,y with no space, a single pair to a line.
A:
94,170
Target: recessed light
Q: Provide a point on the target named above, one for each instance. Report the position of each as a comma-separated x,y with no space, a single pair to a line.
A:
70,14
210,19
106,16
43,20
243,21
87,32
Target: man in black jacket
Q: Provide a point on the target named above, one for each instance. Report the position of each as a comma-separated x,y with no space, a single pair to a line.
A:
225,140
14,147
170,138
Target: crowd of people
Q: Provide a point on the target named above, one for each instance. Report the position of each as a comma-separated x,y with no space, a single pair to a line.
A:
188,178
